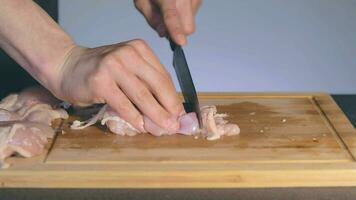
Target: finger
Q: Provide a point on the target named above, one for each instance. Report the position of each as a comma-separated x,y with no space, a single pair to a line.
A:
153,73
139,94
196,5
147,104
105,90
152,16
161,28
159,84
148,55
119,102
186,15
162,88
172,20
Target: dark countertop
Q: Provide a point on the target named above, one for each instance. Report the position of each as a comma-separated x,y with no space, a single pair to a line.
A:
346,102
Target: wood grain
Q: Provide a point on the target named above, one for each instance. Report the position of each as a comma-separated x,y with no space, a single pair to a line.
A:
286,140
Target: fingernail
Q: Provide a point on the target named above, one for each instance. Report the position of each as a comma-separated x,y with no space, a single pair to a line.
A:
181,39
172,124
141,126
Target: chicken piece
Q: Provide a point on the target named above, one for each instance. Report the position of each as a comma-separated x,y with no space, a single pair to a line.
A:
42,113
33,104
214,125
35,95
118,125
6,115
188,125
25,120
109,118
28,97
25,138
9,102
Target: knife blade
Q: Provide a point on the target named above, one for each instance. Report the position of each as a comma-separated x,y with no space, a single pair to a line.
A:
185,80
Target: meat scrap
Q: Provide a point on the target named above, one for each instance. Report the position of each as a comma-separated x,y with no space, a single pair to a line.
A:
214,124
25,122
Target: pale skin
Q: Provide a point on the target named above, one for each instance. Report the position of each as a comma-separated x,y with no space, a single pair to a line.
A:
127,76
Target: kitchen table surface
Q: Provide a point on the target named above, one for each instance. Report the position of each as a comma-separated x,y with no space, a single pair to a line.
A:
346,102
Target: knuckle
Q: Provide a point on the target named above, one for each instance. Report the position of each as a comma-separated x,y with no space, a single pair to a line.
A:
142,94
138,4
161,79
125,106
94,77
127,51
165,78
136,117
94,82
139,43
176,29
170,13
109,61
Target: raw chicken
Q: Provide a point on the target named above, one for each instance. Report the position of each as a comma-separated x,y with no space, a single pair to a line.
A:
116,124
26,138
34,105
25,121
214,125
111,119
28,97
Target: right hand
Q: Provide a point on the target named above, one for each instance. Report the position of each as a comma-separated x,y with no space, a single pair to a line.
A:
173,18
127,76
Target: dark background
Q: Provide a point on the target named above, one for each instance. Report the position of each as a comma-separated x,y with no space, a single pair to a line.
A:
182,194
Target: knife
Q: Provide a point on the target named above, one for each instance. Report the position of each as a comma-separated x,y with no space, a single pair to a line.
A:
185,80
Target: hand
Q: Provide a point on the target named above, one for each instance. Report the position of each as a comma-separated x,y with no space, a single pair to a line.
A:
170,17
127,76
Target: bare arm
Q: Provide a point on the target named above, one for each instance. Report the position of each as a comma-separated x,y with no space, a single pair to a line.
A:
127,76
33,39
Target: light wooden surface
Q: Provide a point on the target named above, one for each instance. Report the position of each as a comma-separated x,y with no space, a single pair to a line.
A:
286,140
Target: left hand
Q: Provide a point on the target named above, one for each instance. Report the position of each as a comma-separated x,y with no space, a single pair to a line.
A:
173,18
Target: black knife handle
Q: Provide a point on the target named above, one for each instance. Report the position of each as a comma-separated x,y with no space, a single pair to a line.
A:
172,44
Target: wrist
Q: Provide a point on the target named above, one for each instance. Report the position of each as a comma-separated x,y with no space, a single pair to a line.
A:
64,68
49,68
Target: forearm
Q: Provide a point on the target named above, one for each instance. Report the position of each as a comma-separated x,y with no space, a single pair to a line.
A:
33,39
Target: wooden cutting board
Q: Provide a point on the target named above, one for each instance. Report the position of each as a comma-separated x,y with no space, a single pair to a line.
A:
286,140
